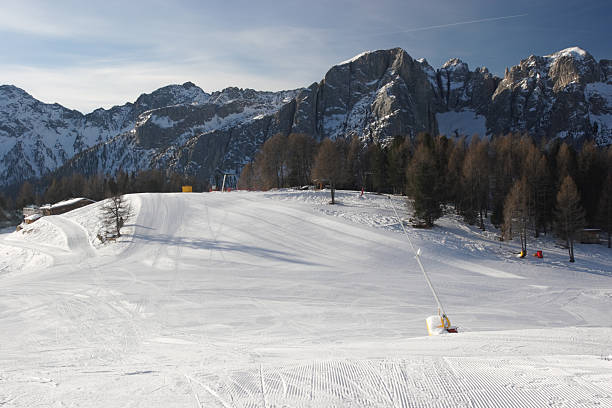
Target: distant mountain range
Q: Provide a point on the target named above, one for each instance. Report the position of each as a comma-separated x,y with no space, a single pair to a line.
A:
376,95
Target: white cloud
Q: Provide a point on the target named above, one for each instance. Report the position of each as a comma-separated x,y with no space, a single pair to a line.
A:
265,58
48,20
86,55
86,88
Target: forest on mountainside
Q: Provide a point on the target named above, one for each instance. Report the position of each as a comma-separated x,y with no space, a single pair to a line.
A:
523,187
98,187
511,178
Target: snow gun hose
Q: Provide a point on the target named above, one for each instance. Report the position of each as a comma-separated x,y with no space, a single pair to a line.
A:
417,255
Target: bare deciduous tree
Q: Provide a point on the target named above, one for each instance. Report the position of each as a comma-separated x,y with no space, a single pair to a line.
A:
328,166
300,158
605,208
569,214
247,178
113,215
271,163
475,181
517,214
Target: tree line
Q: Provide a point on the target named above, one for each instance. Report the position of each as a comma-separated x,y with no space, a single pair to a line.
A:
525,188
99,187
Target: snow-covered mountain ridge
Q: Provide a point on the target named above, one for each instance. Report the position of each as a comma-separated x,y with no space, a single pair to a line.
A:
36,138
376,95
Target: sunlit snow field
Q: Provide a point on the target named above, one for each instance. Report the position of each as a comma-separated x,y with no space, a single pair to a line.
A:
253,299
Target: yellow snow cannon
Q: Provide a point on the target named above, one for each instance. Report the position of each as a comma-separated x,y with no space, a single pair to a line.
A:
439,324
435,324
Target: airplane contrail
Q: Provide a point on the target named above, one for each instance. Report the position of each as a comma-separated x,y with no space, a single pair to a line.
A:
433,27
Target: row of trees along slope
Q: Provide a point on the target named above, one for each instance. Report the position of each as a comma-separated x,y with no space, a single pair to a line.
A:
99,187
525,188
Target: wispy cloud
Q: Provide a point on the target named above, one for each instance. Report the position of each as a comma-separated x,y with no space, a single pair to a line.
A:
46,20
274,57
438,26
109,52
90,86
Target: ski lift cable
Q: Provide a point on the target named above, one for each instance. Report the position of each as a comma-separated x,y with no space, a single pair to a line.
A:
417,255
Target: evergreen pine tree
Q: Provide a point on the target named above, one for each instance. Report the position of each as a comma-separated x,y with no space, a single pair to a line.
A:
397,158
424,185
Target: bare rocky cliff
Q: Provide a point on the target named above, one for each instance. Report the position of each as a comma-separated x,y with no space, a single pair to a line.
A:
376,95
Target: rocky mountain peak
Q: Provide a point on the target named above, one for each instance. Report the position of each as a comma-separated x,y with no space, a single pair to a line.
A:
482,70
369,59
455,64
188,85
231,94
572,52
376,95
187,93
353,59
572,65
13,92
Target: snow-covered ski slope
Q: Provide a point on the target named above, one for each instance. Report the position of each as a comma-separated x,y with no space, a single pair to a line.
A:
251,299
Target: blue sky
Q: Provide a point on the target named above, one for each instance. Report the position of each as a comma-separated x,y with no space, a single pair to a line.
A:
86,55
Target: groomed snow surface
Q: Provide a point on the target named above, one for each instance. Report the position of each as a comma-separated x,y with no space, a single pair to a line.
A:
278,299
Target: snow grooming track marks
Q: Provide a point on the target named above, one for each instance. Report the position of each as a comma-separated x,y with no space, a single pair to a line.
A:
217,398
279,299
528,383
161,249
76,236
425,382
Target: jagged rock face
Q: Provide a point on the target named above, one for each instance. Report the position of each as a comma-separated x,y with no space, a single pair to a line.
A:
196,139
559,95
459,88
36,137
376,96
606,70
452,81
162,127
